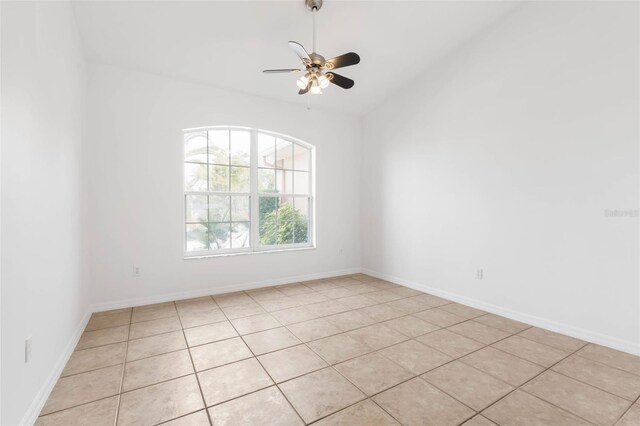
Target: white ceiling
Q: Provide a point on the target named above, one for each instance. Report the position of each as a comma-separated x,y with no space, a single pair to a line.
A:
227,44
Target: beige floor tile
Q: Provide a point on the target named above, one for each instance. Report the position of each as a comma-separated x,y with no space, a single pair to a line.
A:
522,409
585,401
344,281
154,312
270,340
197,307
338,348
284,302
431,301
112,311
377,336
380,313
153,327
466,312
610,379
439,317
502,323
202,300
350,320
91,339
313,329
408,306
612,357
99,413
364,278
98,322
156,369
209,333
479,421
450,343
219,353
532,351
309,298
199,418
502,365
233,299
336,293
416,402
330,307
320,393
261,294
232,380
155,345
383,285
373,373
411,326
241,311
84,387
405,291
479,332
293,315
474,388
631,417
161,402
291,362
94,358
362,289
201,317
365,413
415,356
319,285
265,407
549,338
382,296
255,323
294,289
359,301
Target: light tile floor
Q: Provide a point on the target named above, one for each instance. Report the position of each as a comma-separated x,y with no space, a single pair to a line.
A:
341,351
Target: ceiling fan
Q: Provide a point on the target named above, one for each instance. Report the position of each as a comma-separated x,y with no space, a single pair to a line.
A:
318,71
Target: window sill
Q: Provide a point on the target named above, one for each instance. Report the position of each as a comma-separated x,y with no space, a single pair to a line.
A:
246,253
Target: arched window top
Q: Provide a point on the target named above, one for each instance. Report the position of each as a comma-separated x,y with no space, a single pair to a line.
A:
246,190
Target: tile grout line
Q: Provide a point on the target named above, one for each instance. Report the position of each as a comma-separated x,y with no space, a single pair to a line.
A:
124,365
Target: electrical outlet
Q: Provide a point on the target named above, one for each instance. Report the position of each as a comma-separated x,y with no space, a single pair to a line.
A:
479,274
27,349
136,271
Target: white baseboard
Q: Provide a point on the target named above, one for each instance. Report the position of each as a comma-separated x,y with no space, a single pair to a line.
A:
34,409
569,330
127,303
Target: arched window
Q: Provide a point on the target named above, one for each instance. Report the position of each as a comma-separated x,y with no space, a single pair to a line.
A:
246,190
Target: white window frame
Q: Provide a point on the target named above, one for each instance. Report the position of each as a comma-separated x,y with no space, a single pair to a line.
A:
254,197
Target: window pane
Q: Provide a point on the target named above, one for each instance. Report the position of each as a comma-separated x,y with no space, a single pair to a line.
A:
300,231
268,226
284,181
218,147
240,235
195,177
219,236
284,154
197,238
301,182
219,208
301,205
266,180
285,232
240,147
240,179
301,157
240,209
196,208
195,147
218,178
266,150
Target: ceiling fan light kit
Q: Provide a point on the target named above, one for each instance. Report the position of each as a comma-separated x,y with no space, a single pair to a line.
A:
318,71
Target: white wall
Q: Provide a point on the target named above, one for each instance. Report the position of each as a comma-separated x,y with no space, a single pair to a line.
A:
44,282
505,157
136,201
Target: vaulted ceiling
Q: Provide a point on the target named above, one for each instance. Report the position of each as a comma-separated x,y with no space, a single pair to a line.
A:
227,43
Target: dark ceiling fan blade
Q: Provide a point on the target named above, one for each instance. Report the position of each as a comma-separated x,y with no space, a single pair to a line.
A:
345,60
300,51
281,70
338,80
